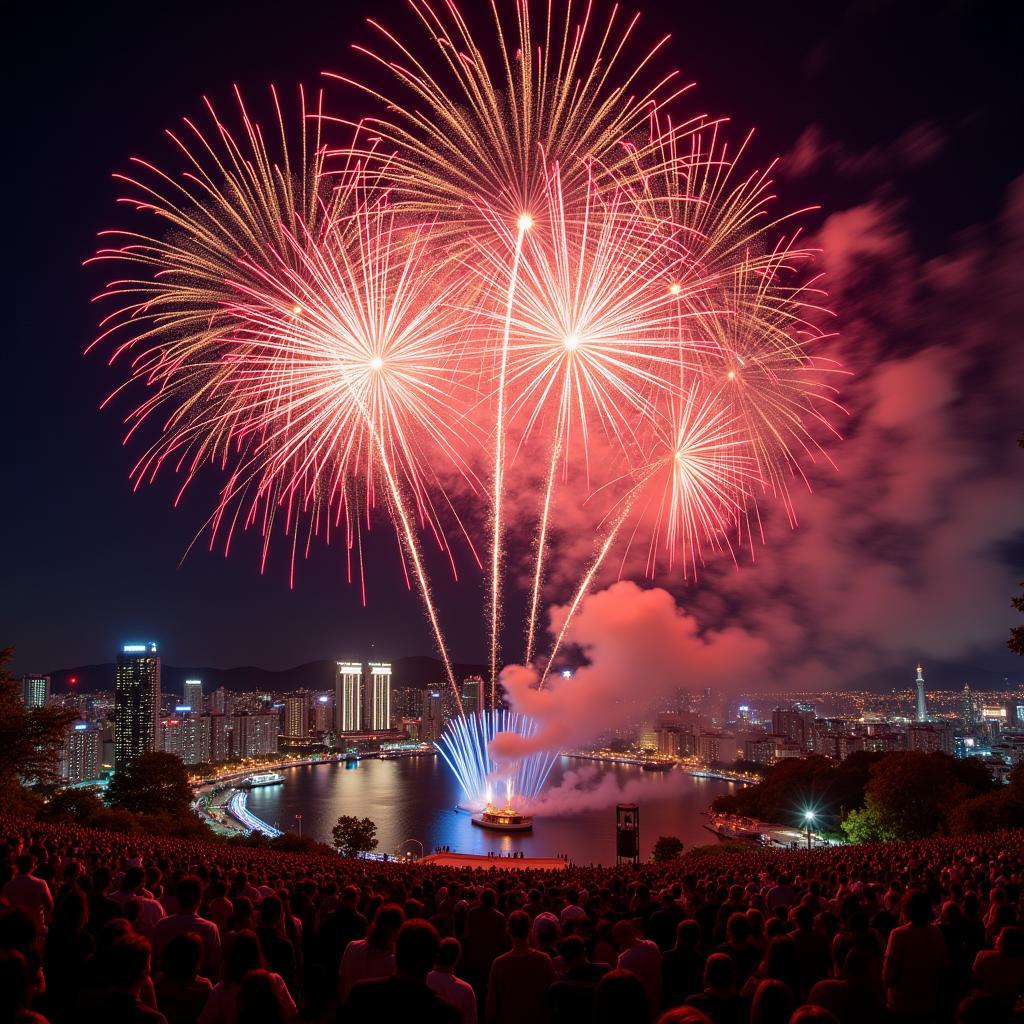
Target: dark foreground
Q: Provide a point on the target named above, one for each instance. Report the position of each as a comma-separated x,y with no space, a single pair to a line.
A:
96,926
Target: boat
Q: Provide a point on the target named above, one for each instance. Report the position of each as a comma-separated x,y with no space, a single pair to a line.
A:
263,779
351,757
504,820
657,766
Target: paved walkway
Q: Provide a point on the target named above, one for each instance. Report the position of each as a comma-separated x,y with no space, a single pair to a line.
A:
477,860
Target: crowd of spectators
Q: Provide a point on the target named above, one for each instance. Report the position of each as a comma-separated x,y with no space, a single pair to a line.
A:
96,926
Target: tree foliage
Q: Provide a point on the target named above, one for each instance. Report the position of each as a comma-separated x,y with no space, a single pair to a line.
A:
31,739
666,848
794,785
914,795
155,783
353,836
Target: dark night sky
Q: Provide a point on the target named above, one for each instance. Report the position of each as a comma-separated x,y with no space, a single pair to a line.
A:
844,90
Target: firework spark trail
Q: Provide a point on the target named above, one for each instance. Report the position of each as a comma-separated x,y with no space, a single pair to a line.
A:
523,225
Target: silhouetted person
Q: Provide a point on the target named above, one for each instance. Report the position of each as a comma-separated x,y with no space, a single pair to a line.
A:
452,990
570,999
772,1003
278,950
261,1001
243,956
620,998
181,992
915,963
16,989
682,966
373,957
126,973
404,996
189,893
720,1000
519,980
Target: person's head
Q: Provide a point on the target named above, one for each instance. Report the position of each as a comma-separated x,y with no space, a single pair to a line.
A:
416,949
71,912
386,923
182,956
1011,941
133,878
244,955
572,951
260,1000
448,955
809,1014
737,928
917,907
719,973
857,965
804,917
980,1009
15,983
518,927
127,963
620,998
688,934
271,912
545,930
25,863
772,1003
624,934
684,1015
488,898
189,891
782,962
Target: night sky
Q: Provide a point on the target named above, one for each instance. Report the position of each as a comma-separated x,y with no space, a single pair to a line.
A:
901,120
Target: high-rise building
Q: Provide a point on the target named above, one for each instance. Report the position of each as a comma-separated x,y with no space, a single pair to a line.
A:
472,695
136,702
348,703
406,702
967,715
221,729
930,737
257,734
35,690
323,713
219,701
194,695
80,758
377,714
796,725
432,716
196,738
296,715
922,704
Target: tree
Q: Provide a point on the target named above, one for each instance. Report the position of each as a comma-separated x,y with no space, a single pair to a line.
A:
1016,641
31,739
667,848
152,784
353,836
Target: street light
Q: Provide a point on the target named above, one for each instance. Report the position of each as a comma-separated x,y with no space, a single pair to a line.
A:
298,818
808,821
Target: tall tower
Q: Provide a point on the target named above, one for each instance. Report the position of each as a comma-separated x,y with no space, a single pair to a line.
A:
136,702
967,710
378,710
348,685
194,695
922,705
296,715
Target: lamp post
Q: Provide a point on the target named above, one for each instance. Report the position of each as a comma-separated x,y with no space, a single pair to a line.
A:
298,818
808,821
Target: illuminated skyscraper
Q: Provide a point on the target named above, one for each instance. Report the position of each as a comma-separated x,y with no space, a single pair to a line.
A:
967,709
136,702
348,686
922,704
80,758
194,695
35,691
377,716
323,714
296,715
472,694
219,701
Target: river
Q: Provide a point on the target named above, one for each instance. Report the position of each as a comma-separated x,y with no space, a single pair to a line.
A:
413,798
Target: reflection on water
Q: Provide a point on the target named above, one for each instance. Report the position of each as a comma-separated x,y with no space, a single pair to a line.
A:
414,798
